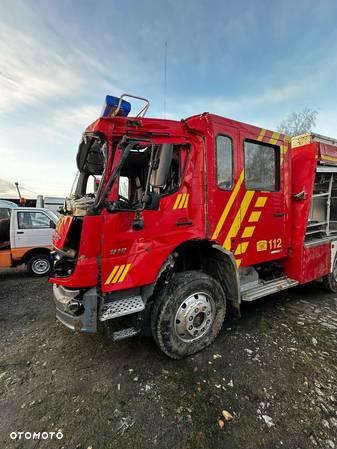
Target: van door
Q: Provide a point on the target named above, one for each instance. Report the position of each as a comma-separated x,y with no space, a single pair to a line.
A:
263,214
31,228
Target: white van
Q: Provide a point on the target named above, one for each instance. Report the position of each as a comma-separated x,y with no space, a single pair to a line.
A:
26,238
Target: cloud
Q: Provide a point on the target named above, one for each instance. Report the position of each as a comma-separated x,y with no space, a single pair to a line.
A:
6,186
68,122
8,189
219,105
327,122
30,72
39,67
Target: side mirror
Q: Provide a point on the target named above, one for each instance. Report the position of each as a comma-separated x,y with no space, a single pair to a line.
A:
52,224
159,176
151,200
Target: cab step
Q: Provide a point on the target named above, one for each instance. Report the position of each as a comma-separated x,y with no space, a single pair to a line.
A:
121,307
268,288
124,333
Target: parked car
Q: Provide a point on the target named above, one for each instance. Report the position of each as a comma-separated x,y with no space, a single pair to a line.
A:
25,238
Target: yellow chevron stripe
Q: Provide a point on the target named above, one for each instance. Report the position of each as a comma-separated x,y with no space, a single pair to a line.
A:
284,149
241,248
248,232
234,229
125,272
238,262
261,135
186,201
111,275
274,138
119,272
328,158
254,216
177,201
181,204
228,206
261,201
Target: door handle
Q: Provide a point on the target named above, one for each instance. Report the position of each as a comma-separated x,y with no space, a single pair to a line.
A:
279,214
20,232
184,223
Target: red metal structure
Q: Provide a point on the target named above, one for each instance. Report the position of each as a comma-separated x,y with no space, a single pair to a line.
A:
190,217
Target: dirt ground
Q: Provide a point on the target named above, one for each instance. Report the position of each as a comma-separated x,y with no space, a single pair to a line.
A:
274,371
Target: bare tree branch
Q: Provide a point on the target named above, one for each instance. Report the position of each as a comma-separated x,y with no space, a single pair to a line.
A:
299,122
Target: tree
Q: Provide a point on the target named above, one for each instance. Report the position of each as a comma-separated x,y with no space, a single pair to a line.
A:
299,122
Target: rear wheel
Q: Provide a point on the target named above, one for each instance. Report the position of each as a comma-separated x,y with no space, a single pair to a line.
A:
330,280
39,265
188,314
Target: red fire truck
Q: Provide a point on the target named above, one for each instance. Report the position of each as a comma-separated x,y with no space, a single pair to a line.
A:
188,219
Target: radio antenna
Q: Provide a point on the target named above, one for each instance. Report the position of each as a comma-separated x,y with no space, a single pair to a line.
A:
165,78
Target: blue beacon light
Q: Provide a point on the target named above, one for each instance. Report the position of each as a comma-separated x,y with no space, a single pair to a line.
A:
110,106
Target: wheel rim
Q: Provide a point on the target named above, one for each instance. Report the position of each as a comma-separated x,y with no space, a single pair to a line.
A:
40,266
194,316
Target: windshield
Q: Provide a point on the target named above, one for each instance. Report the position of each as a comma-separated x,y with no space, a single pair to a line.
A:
141,168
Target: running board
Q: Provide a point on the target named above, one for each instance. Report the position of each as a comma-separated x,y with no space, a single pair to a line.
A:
268,288
121,307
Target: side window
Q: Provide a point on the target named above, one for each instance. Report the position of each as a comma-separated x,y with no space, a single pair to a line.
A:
33,220
173,177
262,166
224,162
4,213
176,170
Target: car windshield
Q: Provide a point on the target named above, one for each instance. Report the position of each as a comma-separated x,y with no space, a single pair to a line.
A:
52,216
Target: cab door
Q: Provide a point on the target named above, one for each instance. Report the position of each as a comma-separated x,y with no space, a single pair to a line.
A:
263,212
225,179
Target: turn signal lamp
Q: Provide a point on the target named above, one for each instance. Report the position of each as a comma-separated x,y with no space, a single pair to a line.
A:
110,107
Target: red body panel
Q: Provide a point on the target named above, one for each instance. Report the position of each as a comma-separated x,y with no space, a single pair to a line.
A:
61,232
257,226
87,266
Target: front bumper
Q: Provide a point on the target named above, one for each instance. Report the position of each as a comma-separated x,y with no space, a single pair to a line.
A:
75,311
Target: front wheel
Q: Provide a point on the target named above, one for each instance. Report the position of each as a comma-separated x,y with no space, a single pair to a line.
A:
188,314
39,265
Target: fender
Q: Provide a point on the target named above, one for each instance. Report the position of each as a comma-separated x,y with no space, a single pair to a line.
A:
209,257
230,276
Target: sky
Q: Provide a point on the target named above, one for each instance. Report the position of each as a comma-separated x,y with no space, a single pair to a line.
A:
253,61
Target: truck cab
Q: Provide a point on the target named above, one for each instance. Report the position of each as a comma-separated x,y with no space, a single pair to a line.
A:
26,238
172,223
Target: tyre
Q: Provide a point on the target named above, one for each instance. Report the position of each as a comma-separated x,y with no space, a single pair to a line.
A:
188,314
39,265
330,280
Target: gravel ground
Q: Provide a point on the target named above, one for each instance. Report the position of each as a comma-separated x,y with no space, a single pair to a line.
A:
274,372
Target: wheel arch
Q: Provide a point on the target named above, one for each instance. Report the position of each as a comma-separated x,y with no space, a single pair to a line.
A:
34,252
209,257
